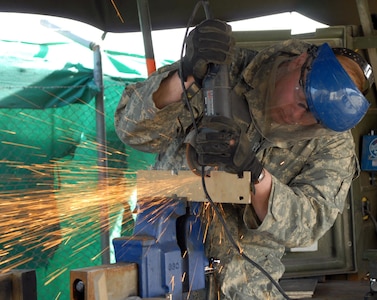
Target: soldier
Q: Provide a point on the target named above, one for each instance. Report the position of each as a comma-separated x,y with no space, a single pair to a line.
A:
293,105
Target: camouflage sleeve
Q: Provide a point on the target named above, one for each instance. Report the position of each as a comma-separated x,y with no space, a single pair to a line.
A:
301,211
141,125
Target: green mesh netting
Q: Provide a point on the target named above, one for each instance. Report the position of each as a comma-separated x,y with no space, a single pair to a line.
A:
50,198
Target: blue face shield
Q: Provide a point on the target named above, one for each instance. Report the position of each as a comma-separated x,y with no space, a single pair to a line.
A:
332,97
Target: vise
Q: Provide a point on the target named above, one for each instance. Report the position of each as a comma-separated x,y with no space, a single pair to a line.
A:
167,242
167,245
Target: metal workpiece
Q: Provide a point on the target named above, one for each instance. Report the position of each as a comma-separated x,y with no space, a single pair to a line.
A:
223,187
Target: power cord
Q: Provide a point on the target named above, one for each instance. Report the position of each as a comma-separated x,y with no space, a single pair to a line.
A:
233,242
185,96
204,4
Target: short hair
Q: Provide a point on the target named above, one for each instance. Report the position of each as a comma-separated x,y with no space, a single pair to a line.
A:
357,68
354,71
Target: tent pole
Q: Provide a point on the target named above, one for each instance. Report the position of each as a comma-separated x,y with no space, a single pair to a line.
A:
101,153
367,26
146,29
100,134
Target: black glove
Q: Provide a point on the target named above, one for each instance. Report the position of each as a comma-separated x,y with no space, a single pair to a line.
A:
221,142
210,42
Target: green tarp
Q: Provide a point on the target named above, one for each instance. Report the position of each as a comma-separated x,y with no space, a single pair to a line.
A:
48,158
56,74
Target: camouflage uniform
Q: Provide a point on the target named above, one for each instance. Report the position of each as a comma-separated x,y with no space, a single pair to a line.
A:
311,177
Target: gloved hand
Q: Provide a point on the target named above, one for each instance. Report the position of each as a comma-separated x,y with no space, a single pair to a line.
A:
221,142
210,42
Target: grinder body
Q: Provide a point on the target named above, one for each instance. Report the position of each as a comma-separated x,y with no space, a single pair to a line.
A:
217,102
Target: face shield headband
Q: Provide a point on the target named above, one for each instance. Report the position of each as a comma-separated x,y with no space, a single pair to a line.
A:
332,97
